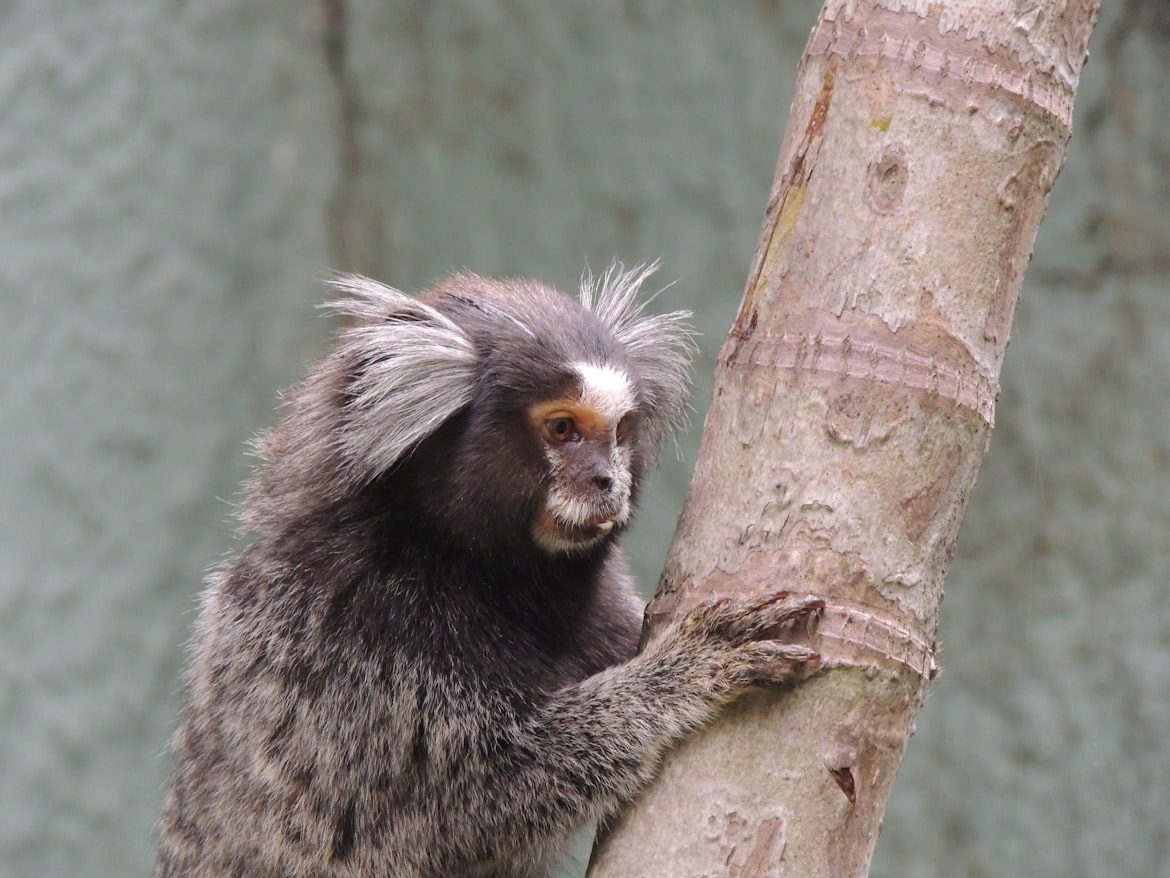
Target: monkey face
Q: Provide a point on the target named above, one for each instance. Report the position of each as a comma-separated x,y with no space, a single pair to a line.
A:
587,438
500,415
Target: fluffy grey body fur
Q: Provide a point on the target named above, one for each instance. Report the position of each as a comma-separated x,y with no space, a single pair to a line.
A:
422,665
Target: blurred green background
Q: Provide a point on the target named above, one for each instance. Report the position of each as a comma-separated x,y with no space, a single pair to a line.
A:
175,177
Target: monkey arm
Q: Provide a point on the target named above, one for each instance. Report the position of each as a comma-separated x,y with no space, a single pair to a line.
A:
574,758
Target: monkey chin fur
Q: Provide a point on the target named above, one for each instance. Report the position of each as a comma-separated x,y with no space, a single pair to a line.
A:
561,538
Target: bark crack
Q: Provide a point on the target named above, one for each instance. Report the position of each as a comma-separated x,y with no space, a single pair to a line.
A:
929,364
856,637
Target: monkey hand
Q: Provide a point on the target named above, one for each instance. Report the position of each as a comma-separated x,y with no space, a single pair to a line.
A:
736,644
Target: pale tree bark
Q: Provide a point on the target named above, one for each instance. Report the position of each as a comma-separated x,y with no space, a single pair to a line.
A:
854,402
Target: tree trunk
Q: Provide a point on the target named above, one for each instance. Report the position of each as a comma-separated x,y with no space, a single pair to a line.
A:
853,404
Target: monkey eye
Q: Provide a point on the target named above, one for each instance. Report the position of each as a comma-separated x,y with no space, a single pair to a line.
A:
561,428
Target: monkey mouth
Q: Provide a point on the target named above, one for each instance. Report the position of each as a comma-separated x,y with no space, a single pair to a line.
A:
557,534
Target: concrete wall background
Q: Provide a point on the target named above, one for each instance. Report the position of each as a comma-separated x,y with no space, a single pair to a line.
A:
174,178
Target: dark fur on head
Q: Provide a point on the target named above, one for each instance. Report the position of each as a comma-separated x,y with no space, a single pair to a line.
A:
424,664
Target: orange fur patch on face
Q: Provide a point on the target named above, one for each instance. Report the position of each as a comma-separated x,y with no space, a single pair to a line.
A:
590,423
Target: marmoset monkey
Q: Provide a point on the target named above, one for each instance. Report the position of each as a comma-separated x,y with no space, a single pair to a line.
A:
425,663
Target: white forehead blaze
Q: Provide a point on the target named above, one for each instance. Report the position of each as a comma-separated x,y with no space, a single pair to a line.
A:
606,390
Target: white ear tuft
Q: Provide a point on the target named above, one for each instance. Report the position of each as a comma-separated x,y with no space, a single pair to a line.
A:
399,371
410,369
